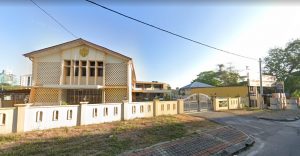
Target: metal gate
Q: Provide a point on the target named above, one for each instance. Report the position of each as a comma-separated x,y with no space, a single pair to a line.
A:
197,102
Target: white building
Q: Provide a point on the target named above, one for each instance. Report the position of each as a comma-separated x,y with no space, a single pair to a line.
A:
26,80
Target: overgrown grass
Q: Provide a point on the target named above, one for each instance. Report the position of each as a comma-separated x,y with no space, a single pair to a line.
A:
103,139
9,138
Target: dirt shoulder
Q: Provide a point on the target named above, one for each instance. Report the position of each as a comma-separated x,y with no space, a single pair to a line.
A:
103,139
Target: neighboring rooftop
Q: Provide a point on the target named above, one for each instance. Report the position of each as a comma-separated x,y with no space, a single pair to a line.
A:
197,85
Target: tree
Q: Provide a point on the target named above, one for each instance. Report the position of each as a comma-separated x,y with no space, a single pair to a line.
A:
284,64
222,77
209,77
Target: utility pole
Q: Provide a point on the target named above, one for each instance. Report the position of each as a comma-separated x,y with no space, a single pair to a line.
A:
260,83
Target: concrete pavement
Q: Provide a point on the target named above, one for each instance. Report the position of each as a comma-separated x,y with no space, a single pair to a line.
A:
221,141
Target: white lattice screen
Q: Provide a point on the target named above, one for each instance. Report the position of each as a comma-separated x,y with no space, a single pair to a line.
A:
48,73
116,74
44,96
115,95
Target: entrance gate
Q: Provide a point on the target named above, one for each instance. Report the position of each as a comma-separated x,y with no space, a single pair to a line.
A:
197,102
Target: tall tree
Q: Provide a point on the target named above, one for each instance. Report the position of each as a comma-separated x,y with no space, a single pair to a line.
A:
227,77
209,77
284,63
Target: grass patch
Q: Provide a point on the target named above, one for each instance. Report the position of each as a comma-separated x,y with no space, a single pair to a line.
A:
9,138
103,139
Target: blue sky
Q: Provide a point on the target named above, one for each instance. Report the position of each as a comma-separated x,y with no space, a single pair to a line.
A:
246,28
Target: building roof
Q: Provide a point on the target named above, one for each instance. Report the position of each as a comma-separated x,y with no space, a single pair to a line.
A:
150,82
197,85
75,43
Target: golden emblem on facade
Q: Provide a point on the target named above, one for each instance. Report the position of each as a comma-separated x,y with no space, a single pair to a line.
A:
84,52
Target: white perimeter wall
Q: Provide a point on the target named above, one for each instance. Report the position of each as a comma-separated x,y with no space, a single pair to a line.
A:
31,123
138,110
101,117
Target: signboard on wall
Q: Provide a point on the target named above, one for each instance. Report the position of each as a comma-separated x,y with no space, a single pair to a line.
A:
267,80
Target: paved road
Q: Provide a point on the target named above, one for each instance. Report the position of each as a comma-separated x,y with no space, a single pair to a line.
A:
271,138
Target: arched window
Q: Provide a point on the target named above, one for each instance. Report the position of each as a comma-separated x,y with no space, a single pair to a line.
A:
69,114
55,115
115,110
149,108
162,107
95,112
133,109
2,118
105,111
39,116
141,109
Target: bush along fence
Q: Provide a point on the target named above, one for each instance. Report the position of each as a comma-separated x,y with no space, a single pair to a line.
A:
25,117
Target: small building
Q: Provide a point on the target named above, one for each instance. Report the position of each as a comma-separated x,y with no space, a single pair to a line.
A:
147,91
26,80
186,90
10,97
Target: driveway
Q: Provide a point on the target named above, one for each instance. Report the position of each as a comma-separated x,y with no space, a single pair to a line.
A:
272,138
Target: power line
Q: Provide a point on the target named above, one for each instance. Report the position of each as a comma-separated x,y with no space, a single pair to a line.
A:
55,20
169,32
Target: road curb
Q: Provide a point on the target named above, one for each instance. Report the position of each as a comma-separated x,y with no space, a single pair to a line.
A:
236,148
282,120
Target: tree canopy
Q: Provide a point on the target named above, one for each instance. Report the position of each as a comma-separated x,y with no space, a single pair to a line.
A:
227,77
284,63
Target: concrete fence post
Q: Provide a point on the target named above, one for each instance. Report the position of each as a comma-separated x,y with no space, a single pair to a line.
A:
21,112
180,106
215,106
156,107
82,120
124,110
229,102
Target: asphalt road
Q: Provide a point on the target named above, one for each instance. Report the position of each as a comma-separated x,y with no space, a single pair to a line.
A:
272,138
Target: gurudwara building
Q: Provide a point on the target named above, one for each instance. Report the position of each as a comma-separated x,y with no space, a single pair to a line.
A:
78,71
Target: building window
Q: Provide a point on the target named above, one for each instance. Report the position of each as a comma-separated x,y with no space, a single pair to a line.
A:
68,67
100,72
39,116
139,86
92,63
69,115
168,107
105,111
115,110
174,106
2,118
149,108
142,109
251,89
68,71
162,107
76,71
55,115
83,71
92,72
100,69
83,68
95,112
133,109
147,85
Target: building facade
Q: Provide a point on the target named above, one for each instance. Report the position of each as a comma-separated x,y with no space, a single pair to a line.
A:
78,71
147,91
26,80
